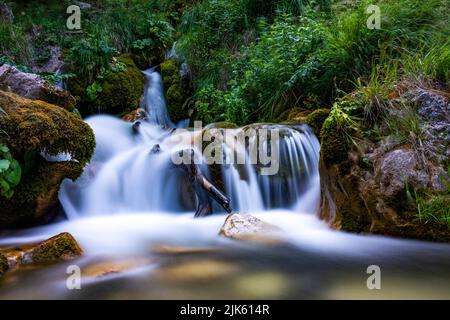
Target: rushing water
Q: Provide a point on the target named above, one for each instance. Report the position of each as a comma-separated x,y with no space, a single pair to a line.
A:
130,201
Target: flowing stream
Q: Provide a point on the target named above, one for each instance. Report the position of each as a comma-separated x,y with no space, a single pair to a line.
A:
132,213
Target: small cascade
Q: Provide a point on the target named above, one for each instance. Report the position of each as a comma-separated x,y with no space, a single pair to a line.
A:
297,171
153,100
61,83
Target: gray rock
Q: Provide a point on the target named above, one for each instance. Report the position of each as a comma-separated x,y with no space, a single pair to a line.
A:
396,169
431,106
34,87
246,227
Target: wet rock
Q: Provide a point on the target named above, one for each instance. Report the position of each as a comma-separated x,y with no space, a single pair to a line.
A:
59,247
30,128
62,246
135,115
34,87
246,227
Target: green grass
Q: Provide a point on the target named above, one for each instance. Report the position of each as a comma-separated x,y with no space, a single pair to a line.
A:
14,44
434,208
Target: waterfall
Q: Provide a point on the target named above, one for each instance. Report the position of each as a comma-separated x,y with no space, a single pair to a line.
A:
298,172
125,176
153,100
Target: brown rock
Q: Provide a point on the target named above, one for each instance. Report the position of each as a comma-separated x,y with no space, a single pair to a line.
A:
60,247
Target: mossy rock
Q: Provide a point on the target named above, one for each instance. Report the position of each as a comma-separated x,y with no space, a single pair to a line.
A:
3,264
121,91
316,119
60,247
222,125
29,128
176,90
334,148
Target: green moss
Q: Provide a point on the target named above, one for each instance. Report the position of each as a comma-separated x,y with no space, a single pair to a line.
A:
121,91
170,72
338,135
61,246
316,119
223,125
334,147
39,126
176,94
3,264
30,127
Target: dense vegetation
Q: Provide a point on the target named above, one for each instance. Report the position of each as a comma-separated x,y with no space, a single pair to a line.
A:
253,65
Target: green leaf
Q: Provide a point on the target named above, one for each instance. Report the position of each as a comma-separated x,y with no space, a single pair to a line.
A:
14,174
4,165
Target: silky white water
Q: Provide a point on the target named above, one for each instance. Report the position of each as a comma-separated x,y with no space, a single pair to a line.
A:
131,199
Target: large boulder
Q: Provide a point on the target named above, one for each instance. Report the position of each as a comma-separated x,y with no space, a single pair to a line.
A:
34,87
382,186
35,131
121,91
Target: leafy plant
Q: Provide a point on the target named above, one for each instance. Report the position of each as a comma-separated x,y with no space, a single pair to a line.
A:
94,90
10,172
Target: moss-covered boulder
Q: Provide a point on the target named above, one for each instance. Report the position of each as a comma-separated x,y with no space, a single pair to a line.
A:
316,119
121,91
177,90
33,130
